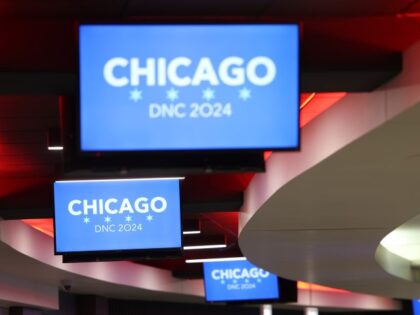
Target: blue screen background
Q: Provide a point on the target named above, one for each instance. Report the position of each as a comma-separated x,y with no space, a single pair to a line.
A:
216,290
111,121
73,234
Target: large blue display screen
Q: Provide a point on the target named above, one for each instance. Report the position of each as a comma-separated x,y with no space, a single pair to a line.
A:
114,215
238,281
188,87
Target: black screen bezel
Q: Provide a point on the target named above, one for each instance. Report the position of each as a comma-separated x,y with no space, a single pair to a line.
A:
287,290
197,159
121,254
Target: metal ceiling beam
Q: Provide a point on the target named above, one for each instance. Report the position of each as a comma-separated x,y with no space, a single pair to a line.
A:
37,83
228,205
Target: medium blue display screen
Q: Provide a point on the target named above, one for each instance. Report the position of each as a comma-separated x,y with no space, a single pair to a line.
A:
238,281
416,307
188,87
109,215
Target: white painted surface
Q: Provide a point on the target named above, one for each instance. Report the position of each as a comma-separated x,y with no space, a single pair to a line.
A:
18,291
319,214
28,254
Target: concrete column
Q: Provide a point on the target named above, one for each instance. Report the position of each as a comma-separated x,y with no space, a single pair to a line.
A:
266,309
311,311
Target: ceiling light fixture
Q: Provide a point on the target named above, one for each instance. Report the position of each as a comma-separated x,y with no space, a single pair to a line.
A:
55,148
54,141
191,232
307,101
194,247
201,260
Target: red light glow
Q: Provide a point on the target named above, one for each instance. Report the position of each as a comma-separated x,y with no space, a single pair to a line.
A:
409,15
316,103
305,99
320,288
45,226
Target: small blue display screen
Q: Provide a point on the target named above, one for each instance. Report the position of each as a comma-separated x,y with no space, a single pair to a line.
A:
238,281
114,215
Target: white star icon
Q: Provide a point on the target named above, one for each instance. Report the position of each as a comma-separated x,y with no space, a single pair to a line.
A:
172,94
86,220
259,280
234,281
149,218
208,94
222,282
244,94
136,95
246,281
107,219
128,218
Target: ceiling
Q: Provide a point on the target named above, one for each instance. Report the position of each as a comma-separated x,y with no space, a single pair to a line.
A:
347,46
24,250
208,206
327,208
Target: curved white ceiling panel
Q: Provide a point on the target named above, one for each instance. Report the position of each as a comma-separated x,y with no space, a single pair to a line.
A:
28,254
320,214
